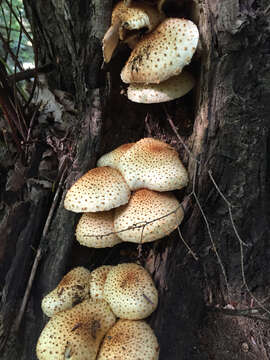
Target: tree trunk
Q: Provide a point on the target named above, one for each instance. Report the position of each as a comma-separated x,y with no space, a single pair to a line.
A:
225,126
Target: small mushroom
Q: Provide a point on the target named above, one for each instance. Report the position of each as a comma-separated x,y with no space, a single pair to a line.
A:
173,88
130,292
125,19
72,289
154,165
129,340
100,189
157,214
76,333
96,230
163,53
112,158
97,281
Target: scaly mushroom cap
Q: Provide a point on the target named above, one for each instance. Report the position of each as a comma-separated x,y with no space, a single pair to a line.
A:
96,230
145,206
154,165
76,333
97,281
112,158
72,289
129,340
136,16
162,53
100,189
167,90
130,292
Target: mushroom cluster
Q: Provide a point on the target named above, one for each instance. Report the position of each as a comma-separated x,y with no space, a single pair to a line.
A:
90,329
154,68
128,197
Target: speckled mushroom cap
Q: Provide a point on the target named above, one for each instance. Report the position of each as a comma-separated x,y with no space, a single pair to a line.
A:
145,206
168,90
136,16
76,333
125,19
154,165
112,158
97,281
72,289
129,340
96,230
130,292
100,189
162,53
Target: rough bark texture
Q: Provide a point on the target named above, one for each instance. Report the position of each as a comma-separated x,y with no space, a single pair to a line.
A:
230,137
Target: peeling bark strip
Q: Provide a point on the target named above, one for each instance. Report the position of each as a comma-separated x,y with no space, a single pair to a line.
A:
230,138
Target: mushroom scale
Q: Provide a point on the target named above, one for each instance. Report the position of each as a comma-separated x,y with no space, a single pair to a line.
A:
167,90
129,340
100,189
96,230
72,289
161,212
162,53
130,292
76,333
154,165
97,281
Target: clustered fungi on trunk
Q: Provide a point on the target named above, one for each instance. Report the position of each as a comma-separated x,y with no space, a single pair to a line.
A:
85,326
229,137
154,67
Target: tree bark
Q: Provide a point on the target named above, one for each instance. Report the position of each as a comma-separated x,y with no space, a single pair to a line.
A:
225,125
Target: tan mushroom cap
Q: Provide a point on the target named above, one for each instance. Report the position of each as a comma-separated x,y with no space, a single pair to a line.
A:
72,289
129,340
162,53
154,165
76,333
97,281
125,18
112,158
100,189
96,230
146,206
136,16
130,292
167,90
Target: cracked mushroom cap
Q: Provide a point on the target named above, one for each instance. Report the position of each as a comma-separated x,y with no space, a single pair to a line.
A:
100,189
161,212
129,340
96,230
97,281
76,333
130,292
72,289
170,89
162,53
125,18
154,165
112,158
